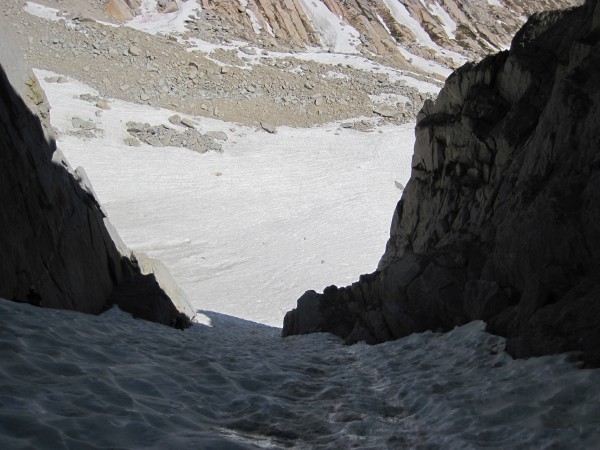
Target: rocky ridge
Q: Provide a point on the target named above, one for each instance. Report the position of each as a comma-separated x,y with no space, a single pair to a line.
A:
470,28
228,84
499,219
59,250
249,83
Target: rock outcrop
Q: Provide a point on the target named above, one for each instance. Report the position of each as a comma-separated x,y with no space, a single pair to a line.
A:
58,249
425,27
123,9
499,221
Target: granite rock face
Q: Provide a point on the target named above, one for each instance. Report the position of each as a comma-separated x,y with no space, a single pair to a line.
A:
500,219
472,28
58,249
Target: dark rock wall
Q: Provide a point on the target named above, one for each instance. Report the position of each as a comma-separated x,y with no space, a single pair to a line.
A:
500,219
55,250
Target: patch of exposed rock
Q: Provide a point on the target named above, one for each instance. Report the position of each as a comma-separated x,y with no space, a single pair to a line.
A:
58,248
499,221
163,136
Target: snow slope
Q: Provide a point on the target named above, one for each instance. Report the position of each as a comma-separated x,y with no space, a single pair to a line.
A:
77,381
333,31
401,14
244,232
152,21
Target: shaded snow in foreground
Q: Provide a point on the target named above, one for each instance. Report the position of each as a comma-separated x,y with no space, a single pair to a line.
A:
73,380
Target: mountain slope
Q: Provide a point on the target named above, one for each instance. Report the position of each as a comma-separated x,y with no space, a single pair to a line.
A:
498,221
427,28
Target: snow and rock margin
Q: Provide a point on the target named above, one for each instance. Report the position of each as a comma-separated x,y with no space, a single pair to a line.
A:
499,219
58,252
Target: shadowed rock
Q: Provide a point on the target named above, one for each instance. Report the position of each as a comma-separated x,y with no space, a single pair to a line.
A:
499,220
58,249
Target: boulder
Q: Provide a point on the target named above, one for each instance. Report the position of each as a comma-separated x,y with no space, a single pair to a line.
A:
499,221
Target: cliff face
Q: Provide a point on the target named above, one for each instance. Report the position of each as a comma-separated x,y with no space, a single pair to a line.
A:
55,243
425,27
472,27
499,221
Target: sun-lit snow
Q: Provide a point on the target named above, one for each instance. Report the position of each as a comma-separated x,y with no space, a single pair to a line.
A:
423,64
245,232
152,21
335,34
447,22
388,99
403,17
253,19
41,11
382,22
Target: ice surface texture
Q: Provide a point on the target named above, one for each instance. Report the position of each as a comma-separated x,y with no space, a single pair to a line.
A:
69,380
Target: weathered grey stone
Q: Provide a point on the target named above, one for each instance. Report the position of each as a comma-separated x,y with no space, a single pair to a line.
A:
175,119
59,250
269,128
132,141
171,7
134,50
499,220
188,122
386,111
103,104
136,127
248,50
218,135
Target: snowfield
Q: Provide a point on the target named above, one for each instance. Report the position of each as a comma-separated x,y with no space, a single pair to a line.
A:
76,381
244,232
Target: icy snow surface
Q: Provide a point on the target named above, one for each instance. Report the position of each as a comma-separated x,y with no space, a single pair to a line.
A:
76,381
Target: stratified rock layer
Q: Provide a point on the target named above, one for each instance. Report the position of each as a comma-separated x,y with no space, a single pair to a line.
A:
56,249
500,219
